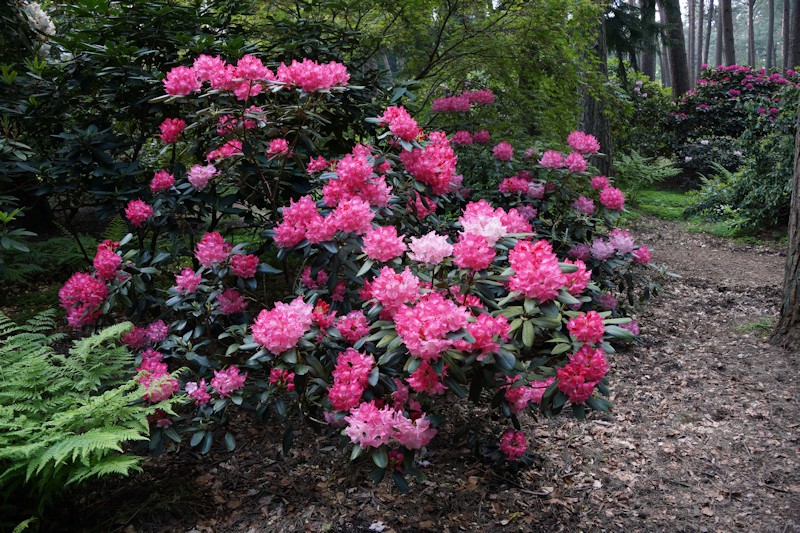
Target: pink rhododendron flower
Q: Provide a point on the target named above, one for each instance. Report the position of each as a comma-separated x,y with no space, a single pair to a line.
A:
278,147
311,76
473,252
537,274
462,137
392,289
621,240
370,427
513,444
578,281
171,130
297,218
631,326
586,368
137,212
187,281
82,297
583,205
352,216
317,165
350,379
552,159
383,244
481,137
424,327
198,392
158,387
486,330
230,148
106,262
412,434
311,283
503,151
584,143
451,104
515,185
600,182
200,175
480,97
283,379
244,266
157,331
434,165
353,326
230,302
602,250
425,379
575,162
642,255
538,389
587,327
606,302
581,252
400,123
422,206
227,381
206,66
612,198
161,181
480,218
251,68
211,249
430,248
280,328
181,81
135,339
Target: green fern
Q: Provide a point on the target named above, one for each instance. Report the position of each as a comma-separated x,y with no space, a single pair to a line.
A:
116,229
65,418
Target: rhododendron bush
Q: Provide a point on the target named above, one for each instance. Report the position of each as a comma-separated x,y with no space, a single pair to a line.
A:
394,308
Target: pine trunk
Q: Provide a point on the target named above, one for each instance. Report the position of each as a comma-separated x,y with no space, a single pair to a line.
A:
594,119
787,331
770,59
711,14
751,35
718,51
690,47
699,51
786,29
649,50
728,48
679,67
666,80
794,49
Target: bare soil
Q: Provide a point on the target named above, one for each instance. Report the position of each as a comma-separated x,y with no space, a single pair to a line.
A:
704,437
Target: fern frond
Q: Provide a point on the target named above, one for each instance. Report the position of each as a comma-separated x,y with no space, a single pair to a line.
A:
118,464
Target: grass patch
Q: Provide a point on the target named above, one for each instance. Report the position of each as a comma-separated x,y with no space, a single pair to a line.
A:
762,326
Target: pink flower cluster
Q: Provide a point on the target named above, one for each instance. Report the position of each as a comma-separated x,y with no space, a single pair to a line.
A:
181,81
400,123
513,444
187,281
392,290
82,296
244,265
602,250
158,383
600,182
434,165
486,330
162,180
536,270
283,379
577,281
462,103
430,248
552,159
425,379
503,151
350,379
230,148
462,137
481,137
584,371
311,76
583,205
383,244
106,261
200,175
227,381
520,397
278,147
356,179
424,327
171,130
612,198
575,162
139,337
137,212
370,427
584,143
231,302
353,326
280,328
642,255
587,327
212,249
473,252
198,391
621,240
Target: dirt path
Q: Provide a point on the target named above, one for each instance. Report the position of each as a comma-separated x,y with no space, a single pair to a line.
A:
705,437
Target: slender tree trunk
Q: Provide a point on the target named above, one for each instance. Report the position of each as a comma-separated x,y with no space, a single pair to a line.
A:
728,48
690,46
679,66
751,35
666,78
786,29
594,119
718,51
787,331
711,14
770,60
699,51
649,51
794,49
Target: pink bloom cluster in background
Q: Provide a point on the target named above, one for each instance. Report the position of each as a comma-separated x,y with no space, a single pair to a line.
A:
137,212
521,397
462,137
431,248
82,297
481,137
356,178
230,302
584,205
370,427
642,255
383,244
612,198
187,282
353,326
212,249
171,130
244,265
552,159
600,182
200,175
311,76
587,327
278,147
473,252
280,329
513,444
584,143
227,381
162,180
198,391
392,289
536,270
106,262
586,368
158,383
434,165
621,240
425,326
230,148
575,162
400,123
462,103
503,151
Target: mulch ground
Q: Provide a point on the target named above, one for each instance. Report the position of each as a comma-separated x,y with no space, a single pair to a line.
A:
704,437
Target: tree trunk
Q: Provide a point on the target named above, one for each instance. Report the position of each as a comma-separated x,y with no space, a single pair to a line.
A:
751,35
594,119
690,46
794,49
711,14
787,331
649,50
770,60
728,48
666,79
679,67
787,35
699,51
718,51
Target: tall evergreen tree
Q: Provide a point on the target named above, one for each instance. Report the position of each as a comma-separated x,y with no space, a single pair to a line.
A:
676,48
770,59
726,17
